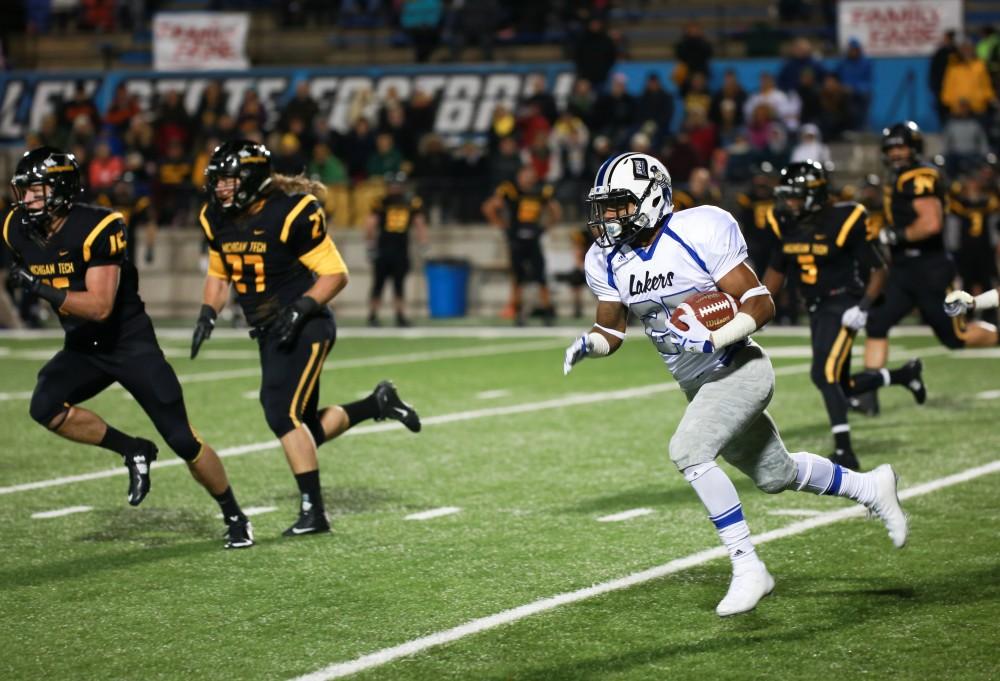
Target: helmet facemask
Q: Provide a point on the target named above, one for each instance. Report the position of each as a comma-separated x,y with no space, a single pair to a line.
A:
617,216
251,169
53,178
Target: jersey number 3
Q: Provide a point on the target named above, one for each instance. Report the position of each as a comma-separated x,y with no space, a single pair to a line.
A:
810,272
237,262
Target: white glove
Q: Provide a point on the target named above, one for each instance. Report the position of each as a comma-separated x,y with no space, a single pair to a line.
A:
696,339
576,352
958,303
854,318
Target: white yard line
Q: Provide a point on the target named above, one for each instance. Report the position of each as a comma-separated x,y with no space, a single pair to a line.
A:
331,365
625,515
387,655
989,395
492,394
434,513
483,332
255,510
795,512
571,400
59,512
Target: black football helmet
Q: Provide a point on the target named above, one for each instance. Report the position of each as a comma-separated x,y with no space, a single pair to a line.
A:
804,180
904,134
247,161
58,175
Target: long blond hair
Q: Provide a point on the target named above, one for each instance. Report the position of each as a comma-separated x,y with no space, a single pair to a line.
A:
298,184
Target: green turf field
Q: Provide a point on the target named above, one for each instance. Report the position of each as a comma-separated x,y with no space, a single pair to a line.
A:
532,460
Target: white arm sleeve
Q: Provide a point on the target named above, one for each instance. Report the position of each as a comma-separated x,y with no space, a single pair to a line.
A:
598,278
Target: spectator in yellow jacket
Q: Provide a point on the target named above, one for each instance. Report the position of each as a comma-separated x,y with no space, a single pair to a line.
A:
966,77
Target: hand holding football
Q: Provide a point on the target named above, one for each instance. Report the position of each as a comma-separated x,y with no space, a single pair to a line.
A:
713,309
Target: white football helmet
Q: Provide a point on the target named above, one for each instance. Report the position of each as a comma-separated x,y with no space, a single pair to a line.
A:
630,196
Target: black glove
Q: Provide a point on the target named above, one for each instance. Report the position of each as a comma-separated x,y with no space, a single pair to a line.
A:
29,282
891,237
289,322
203,328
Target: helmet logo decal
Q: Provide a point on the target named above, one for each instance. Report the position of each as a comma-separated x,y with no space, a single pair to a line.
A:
640,169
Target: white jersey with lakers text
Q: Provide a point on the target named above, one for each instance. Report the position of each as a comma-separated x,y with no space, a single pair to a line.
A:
693,249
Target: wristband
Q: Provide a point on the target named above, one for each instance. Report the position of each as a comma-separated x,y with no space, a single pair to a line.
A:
56,296
988,300
739,328
598,345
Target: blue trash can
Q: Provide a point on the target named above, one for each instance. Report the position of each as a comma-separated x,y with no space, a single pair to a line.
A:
447,284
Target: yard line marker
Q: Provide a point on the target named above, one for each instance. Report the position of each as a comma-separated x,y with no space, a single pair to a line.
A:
416,333
250,395
23,395
795,512
492,394
434,513
387,655
572,400
358,362
62,511
625,515
255,510
989,395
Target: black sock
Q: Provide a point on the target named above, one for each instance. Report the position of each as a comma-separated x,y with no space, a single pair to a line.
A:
230,508
866,381
842,441
361,410
900,376
117,441
308,483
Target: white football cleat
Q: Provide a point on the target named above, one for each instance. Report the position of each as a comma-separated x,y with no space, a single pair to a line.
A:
745,591
886,505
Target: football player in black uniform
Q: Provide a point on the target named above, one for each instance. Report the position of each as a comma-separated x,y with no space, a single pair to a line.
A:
975,211
387,232
524,210
267,239
825,246
73,256
921,271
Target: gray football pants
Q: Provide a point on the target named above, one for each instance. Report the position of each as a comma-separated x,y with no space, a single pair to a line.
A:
726,416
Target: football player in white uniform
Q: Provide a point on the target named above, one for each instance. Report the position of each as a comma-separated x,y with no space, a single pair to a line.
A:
648,259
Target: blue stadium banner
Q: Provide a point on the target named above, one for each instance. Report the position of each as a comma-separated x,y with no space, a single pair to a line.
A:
466,94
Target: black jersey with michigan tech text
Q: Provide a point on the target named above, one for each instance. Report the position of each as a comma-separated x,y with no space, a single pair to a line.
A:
825,250
906,187
271,253
524,210
90,237
394,217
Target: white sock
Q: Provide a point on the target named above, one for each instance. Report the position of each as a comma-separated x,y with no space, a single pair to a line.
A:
886,379
819,475
719,496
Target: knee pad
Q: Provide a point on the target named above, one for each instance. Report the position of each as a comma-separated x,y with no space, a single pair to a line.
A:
47,410
184,443
278,419
687,453
817,374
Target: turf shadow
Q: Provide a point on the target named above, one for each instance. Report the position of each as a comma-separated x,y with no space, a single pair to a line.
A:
868,606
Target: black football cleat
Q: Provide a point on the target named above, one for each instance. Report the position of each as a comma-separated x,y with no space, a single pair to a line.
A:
239,533
311,521
865,403
846,458
137,463
391,407
915,380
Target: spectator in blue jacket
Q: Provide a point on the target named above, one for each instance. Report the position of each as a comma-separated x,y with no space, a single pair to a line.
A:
855,74
801,59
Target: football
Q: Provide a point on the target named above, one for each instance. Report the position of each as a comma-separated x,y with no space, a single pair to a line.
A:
711,308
